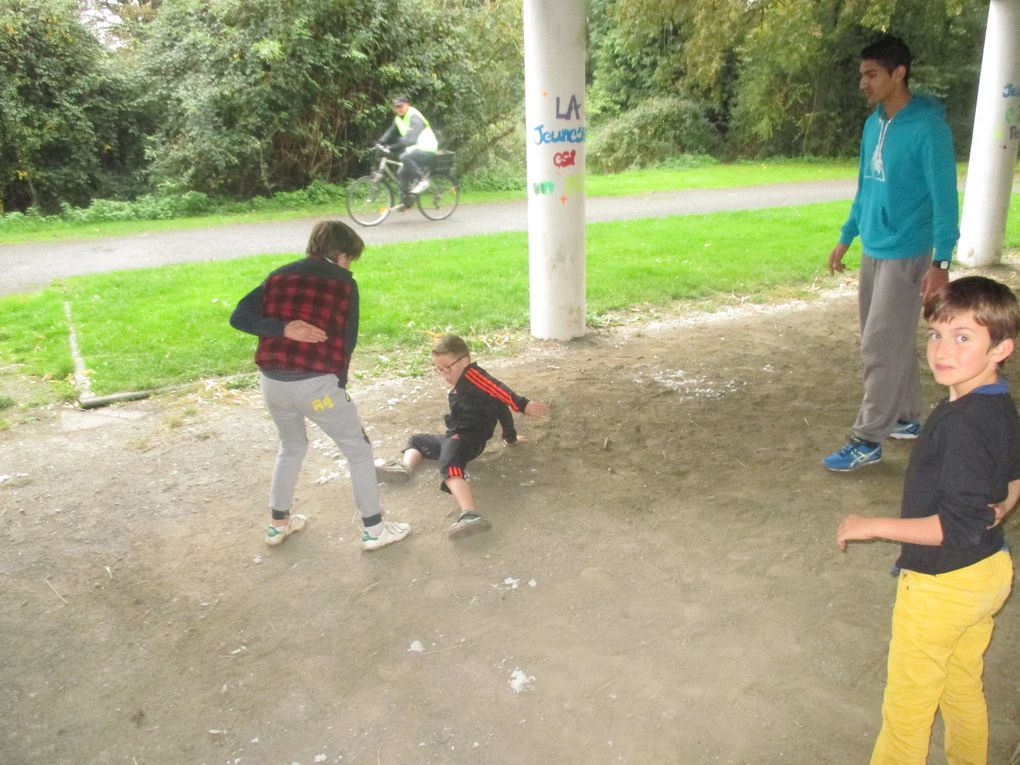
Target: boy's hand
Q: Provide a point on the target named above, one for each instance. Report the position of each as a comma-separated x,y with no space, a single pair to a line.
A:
854,528
1001,511
1003,508
536,409
303,332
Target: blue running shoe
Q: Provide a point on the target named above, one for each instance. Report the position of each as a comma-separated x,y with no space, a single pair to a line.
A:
855,454
906,430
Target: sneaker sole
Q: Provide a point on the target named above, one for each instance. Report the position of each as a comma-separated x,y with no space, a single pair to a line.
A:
392,476
463,530
904,436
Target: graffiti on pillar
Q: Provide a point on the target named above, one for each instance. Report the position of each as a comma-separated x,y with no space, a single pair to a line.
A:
562,157
571,184
574,184
565,135
1010,91
565,158
573,108
570,111
1012,126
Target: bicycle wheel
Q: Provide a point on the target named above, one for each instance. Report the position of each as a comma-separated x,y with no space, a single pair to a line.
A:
440,199
369,200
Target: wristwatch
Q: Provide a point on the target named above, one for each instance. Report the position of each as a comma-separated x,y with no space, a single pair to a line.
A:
943,264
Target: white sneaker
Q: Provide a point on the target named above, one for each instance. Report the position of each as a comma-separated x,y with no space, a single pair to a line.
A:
277,535
391,532
420,186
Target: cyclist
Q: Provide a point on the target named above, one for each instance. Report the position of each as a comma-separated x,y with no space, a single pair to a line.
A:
412,133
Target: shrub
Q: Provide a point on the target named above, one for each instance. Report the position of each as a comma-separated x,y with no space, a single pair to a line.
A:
506,174
14,221
654,131
687,162
194,203
108,209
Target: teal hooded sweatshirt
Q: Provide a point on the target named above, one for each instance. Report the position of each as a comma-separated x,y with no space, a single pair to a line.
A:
906,203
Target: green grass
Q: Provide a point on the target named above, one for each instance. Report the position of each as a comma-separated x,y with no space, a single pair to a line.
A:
33,336
144,329
620,184
720,176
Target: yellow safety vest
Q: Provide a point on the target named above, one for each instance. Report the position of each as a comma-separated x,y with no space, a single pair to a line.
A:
427,140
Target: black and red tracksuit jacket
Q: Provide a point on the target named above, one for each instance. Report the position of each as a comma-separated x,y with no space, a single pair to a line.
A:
477,401
314,290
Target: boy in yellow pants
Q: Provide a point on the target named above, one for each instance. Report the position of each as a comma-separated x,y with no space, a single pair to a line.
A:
955,572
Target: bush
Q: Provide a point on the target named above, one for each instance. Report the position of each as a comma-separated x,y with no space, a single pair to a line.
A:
653,132
191,204
687,162
507,174
194,203
108,209
13,221
317,193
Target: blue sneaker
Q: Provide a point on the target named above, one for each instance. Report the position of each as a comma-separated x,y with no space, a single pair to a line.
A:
852,456
906,430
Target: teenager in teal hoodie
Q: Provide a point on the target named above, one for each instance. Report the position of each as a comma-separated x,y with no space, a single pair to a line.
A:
905,213
906,201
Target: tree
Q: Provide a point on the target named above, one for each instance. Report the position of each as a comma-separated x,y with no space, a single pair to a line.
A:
781,76
266,95
797,87
67,127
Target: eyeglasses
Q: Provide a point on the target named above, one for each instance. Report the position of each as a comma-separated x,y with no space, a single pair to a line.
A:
446,370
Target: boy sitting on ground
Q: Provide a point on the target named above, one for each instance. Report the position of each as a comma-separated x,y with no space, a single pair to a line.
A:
477,401
954,570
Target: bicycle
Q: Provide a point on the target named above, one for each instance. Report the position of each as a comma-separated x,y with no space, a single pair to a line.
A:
370,198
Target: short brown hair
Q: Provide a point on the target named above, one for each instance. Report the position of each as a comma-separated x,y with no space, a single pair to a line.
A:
331,237
452,345
993,304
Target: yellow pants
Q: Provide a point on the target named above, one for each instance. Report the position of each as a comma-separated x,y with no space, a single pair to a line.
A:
941,628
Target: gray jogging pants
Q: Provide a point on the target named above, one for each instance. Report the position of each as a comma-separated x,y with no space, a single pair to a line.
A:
322,401
889,304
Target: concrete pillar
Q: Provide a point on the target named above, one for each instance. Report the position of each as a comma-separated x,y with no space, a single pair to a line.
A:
554,53
993,147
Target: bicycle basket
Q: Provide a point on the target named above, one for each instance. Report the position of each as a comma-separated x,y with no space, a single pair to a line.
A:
444,163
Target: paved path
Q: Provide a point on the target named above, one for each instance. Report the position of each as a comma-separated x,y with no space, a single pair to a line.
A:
28,267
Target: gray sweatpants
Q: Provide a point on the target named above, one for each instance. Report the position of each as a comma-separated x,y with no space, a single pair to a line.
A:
889,304
320,400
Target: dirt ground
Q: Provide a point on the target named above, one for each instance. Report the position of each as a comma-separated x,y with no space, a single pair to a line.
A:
661,583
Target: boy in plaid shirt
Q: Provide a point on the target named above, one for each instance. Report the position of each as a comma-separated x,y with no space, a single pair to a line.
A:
305,315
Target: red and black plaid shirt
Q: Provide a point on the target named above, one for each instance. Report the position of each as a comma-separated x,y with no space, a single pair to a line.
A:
313,290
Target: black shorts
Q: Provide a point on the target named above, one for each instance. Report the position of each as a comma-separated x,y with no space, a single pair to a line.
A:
453,452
